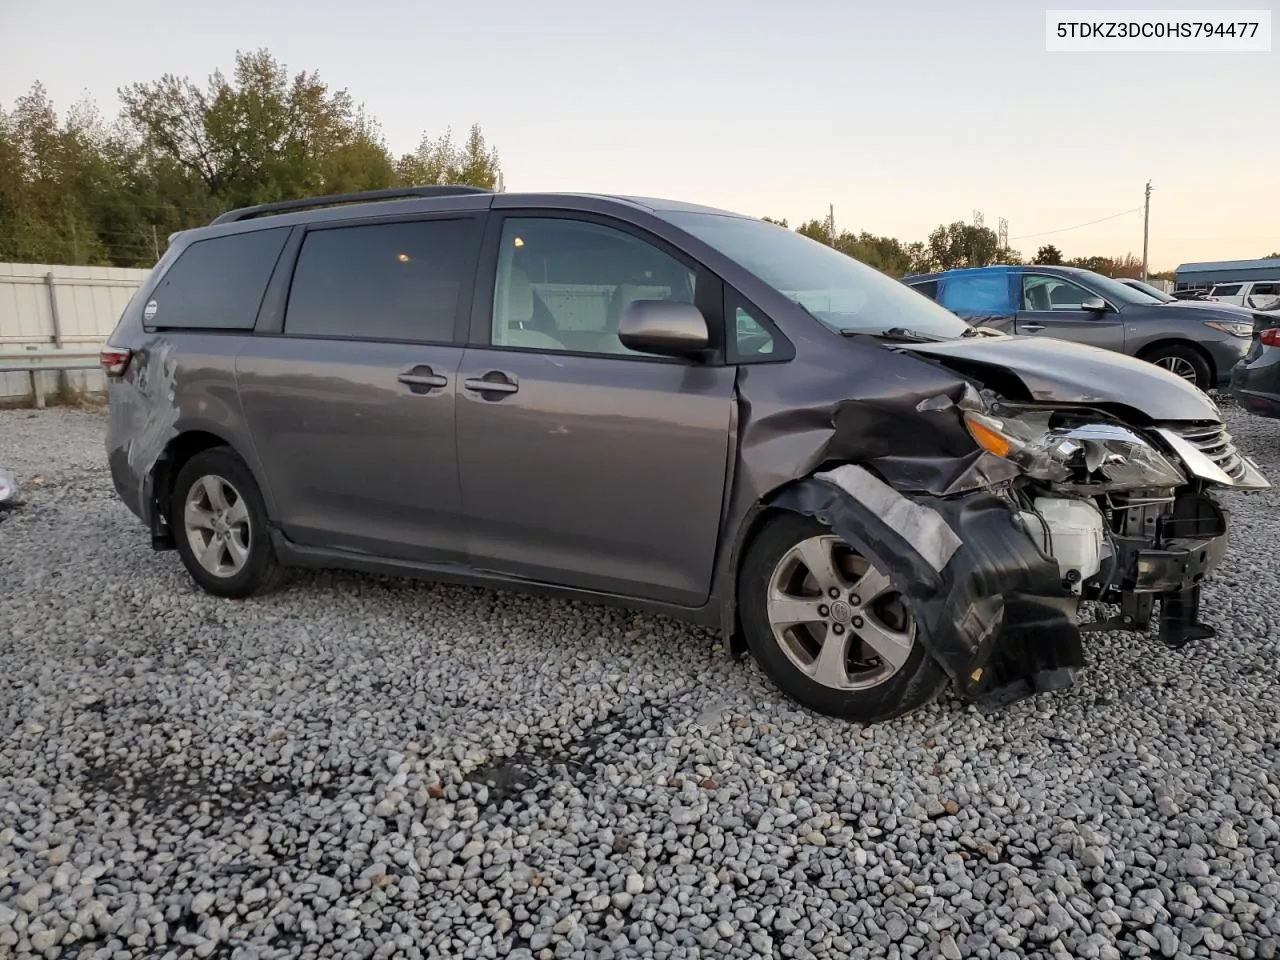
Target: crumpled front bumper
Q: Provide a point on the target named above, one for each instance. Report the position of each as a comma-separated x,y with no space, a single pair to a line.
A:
992,607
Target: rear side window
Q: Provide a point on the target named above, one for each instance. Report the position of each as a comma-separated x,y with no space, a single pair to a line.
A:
217,284
386,281
1227,291
928,287
977,294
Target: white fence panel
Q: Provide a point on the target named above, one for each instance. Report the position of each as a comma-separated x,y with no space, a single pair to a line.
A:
42,305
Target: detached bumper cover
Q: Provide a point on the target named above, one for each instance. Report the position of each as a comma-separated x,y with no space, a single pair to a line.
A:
991,606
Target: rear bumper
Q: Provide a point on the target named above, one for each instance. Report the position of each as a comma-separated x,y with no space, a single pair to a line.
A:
1255,384
127,484
1227,355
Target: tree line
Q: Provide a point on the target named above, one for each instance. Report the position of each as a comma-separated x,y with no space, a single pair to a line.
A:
84,189
954,245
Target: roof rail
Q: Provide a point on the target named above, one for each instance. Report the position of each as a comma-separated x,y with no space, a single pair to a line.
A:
309,203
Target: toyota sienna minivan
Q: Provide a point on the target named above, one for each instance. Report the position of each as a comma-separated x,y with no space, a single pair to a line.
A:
671,407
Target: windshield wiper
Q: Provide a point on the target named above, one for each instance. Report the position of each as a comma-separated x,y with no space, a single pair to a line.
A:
894,333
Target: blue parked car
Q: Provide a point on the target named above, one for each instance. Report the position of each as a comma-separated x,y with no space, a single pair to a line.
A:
1200,344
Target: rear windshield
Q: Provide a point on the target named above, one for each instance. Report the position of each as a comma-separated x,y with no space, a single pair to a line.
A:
841,292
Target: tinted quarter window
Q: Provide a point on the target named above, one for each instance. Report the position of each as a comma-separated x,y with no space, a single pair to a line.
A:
217,283
386,281
1229,291
928,287
977,294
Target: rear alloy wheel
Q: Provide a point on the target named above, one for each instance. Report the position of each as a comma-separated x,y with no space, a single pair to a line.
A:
220,526
829,628
1186,362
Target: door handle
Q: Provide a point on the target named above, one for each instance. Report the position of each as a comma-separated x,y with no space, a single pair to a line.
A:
493,382
1032,327
421,379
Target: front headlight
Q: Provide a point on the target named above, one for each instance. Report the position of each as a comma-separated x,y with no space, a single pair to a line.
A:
1101,455
1237,328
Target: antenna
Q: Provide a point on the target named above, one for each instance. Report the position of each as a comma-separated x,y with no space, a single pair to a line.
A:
1003,233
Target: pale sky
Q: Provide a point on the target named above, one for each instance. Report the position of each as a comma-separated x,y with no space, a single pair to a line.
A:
903,115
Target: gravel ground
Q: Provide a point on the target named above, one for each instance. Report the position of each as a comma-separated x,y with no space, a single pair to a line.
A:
359,767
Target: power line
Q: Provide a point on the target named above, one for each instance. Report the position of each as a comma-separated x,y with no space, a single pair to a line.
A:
1045,233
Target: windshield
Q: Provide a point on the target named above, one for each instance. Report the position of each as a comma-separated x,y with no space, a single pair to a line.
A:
843,293
1153,291
1115,290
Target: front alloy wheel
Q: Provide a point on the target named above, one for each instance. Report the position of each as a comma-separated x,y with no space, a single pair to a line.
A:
829,627
836,616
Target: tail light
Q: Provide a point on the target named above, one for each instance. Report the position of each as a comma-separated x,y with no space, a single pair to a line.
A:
115,360
1270,337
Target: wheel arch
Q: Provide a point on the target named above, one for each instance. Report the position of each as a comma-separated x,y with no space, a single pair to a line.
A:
184,445
1150,349
760,513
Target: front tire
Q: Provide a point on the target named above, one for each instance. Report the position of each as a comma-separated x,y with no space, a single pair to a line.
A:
1187,362
827,626
219,523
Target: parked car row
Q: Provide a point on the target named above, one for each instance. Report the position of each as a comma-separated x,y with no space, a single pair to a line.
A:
681,409
1199,343
1261,295
1210,343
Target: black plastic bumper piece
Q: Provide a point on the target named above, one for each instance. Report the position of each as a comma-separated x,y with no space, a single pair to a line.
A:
995,618
1180,618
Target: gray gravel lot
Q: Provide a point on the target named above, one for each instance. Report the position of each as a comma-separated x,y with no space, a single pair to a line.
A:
358,767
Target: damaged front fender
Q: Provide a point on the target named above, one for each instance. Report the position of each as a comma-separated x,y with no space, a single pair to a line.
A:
990,605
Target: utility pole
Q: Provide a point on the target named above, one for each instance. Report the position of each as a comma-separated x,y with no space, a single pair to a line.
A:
1146,220
831,222
155,242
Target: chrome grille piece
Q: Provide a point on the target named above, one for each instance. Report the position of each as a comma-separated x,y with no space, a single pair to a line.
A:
1214,442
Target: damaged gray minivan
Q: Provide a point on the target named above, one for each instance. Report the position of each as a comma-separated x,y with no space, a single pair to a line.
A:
672,407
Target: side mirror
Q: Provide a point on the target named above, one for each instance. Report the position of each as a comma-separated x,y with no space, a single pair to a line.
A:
1094,305
664,327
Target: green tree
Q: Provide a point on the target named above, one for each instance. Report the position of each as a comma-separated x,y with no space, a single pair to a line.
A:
441,161
961,244
51,175
780,223
918,257
81,189
886,254
1048,256
819,230
1272,256
260,136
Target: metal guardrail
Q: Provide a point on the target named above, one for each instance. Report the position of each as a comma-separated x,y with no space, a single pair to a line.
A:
37,361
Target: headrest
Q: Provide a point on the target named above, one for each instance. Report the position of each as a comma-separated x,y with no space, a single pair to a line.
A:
519,297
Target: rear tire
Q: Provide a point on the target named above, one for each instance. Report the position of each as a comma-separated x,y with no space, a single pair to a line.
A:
1187,362
219,524
877,669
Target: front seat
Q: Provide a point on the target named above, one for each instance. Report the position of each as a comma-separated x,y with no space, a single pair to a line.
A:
514,313
1037,298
